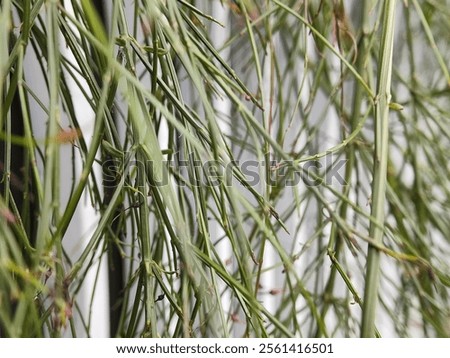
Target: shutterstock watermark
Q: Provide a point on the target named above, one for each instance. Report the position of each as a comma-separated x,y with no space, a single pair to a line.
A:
193,172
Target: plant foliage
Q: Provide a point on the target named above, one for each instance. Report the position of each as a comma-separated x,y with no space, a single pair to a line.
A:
228,152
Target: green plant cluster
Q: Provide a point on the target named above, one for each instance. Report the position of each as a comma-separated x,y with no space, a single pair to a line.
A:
299,86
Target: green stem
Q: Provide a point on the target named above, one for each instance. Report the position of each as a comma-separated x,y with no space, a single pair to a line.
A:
379,169
335,242
147,257
48,201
